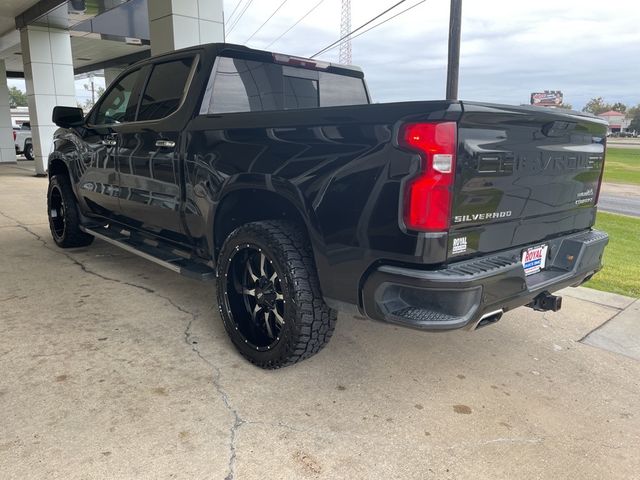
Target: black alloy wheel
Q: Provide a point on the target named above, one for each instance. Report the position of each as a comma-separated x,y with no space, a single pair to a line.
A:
56,213
254,293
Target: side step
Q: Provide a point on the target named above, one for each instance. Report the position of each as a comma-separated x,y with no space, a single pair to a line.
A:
164,255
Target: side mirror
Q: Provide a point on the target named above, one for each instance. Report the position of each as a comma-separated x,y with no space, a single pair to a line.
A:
66,117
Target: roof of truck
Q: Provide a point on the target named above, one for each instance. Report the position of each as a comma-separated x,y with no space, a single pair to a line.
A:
263,55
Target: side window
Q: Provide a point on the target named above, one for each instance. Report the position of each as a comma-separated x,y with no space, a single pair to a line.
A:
165,89
245,86
119,105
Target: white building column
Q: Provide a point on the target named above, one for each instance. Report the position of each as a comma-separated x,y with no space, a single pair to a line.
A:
175,24
48,73
7,145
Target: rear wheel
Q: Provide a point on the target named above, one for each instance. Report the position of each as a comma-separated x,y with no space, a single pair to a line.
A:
28,151
269,295
64,218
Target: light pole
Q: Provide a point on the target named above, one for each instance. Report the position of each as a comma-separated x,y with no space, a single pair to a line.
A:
93,90
453,66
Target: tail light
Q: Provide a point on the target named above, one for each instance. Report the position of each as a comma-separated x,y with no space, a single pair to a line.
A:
14,135
428,196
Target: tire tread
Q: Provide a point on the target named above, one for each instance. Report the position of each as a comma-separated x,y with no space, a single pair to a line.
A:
73,236
314,319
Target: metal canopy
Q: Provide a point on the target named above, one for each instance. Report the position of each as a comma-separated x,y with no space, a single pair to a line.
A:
103,32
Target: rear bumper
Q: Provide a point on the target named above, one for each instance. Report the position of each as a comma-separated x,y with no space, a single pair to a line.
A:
461,294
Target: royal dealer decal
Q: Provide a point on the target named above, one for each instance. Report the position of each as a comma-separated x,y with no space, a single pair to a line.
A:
459,245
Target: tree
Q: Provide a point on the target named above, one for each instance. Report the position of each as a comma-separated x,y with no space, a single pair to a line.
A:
88,103
568,106
17,98
619,107
633,111
596,106
634,114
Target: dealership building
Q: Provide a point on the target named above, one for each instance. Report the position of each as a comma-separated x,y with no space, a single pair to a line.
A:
48,42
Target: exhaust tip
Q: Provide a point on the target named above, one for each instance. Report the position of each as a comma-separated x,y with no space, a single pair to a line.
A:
489,318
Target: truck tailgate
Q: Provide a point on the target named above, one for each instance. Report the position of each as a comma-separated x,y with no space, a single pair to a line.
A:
523,175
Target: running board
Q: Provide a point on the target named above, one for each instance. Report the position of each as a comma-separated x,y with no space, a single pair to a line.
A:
163,255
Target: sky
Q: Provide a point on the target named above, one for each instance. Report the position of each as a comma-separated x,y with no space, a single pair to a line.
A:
509,49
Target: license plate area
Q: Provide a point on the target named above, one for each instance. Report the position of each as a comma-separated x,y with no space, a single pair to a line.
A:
534,259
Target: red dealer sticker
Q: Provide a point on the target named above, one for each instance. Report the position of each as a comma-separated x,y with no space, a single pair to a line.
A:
534,259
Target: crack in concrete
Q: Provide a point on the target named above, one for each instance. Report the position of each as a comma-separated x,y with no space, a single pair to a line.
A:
12,297
85,268
30,224
508,440
238,421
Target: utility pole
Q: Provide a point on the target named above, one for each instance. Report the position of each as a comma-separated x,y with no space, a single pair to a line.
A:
345,28
455,21
93,90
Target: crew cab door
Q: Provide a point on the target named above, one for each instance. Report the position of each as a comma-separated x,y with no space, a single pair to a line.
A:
98,184
148,153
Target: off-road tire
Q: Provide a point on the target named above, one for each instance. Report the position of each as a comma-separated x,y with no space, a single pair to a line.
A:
308,322
62,208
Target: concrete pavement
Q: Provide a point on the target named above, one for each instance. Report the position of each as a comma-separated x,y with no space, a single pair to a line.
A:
621,334
111,367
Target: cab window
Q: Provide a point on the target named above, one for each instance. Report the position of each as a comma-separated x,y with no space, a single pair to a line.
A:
165,89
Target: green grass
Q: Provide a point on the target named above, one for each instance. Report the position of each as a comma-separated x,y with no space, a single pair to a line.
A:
621,272
622,165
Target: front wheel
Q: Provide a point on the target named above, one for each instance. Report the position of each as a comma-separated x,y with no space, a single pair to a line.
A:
64,218
269,295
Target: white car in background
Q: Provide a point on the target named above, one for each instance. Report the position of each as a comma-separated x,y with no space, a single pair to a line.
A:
22,140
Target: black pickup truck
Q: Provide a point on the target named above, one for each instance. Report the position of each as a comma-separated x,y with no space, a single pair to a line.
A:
278,177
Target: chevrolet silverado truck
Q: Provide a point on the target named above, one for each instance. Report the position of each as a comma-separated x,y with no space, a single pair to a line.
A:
276,177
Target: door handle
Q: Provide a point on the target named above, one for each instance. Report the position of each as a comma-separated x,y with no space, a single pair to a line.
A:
165,143
109,142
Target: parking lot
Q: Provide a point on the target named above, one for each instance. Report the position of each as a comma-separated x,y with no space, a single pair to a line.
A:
115,368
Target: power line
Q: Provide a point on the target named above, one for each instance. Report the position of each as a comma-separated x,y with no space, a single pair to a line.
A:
359,28
234,11
265,22
240,15
383,22
296,24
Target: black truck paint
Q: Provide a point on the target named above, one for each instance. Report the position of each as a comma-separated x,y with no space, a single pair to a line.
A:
524,176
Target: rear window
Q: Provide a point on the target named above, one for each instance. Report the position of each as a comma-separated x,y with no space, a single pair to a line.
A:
300,93
248,86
